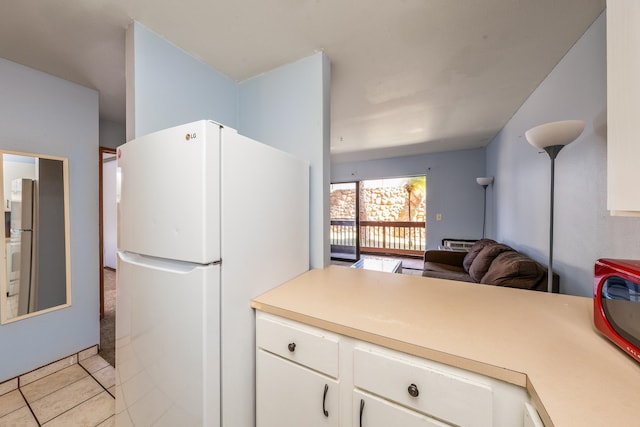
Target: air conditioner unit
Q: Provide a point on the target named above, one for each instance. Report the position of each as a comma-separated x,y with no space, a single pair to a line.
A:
457,244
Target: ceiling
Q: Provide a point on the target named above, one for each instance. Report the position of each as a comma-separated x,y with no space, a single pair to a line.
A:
407,76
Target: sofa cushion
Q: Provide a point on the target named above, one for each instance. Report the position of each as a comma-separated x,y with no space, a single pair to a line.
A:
448,275
513,269
474,250
445,257
442,267
485,258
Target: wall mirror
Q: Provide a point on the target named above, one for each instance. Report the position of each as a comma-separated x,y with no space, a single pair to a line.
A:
36,274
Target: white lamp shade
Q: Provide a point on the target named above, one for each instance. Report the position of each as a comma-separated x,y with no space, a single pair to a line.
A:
484,180
555,133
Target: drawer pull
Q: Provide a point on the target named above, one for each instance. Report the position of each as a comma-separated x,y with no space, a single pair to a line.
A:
413,390
324,398
361,410
292,347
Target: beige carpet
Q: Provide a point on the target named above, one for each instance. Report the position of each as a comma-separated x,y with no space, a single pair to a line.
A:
108,323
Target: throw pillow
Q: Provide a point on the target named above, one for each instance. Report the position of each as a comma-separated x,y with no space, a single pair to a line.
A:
473,252
515,270
485,259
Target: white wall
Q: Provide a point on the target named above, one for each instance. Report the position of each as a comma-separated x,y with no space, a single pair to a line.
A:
111,134
583,229
170,87
451,188
40,113
288,108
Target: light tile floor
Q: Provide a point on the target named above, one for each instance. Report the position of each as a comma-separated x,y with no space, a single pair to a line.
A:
76,391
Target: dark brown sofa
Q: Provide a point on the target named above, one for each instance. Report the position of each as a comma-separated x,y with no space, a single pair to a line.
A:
491,263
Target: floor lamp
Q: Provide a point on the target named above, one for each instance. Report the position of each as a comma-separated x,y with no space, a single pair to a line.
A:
552,137
484,181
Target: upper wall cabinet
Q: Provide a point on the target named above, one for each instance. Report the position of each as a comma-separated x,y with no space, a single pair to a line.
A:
623,106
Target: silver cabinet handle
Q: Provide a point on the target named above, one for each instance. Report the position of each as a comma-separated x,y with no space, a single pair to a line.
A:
413,390
324,398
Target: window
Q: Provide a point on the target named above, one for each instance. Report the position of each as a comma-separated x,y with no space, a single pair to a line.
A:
391,217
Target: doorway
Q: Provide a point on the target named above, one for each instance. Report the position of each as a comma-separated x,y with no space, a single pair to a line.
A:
378,217
107,220
107,241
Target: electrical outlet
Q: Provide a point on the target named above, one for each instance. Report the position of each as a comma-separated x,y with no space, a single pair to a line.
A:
438,217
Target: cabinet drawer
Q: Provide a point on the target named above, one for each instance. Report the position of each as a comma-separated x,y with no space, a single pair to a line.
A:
437,390
310,347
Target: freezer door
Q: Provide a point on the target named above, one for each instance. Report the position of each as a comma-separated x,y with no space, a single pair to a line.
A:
167,343
169,193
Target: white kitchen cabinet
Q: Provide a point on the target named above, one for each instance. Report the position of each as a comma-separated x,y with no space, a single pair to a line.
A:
531,417
370,386
290,395
623,106
296,375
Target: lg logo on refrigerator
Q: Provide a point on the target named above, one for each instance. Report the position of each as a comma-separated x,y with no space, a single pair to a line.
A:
190,136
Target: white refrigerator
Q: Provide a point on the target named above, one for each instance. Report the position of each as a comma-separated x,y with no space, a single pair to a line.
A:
207,220
23,234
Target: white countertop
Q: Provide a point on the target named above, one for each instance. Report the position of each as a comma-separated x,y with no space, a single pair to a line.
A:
544,342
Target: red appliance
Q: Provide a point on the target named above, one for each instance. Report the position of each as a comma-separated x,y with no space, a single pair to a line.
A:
616,303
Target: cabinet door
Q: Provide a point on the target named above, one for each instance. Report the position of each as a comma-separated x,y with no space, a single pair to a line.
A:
623,106
531,417
371,411
290,395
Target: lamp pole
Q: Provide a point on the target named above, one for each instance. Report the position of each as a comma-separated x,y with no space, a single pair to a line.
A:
552,151
484,210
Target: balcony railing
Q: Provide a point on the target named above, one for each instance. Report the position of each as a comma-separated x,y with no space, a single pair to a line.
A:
389,237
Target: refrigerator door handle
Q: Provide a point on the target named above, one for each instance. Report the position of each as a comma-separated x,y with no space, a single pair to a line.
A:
180,267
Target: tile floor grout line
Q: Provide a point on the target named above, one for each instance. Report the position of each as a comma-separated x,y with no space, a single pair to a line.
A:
55,391
85,400
73,407
20,386
58,389
96,380
28,405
